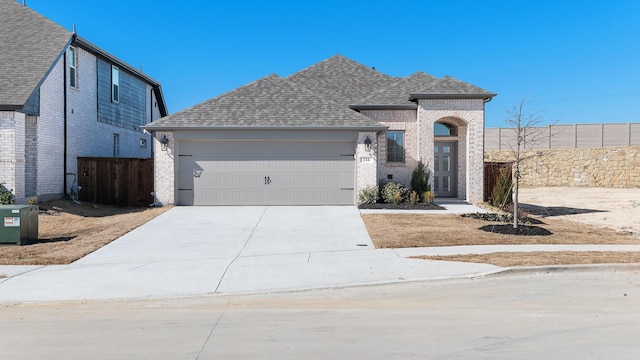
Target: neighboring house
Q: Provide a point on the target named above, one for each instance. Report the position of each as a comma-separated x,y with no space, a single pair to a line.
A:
62,97
321,135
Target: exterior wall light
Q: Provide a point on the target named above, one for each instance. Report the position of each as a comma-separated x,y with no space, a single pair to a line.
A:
164,143
367,144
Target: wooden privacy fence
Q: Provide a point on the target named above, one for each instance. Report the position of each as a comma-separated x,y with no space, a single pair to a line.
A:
491,173
125,182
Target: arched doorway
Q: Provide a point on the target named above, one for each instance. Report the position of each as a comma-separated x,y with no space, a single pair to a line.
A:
445,156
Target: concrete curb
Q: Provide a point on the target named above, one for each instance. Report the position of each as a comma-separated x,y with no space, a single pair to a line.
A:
563,268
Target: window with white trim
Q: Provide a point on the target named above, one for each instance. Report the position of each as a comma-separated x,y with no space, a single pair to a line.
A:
73,67
115,84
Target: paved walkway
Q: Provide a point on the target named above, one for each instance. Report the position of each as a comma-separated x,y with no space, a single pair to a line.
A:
191,251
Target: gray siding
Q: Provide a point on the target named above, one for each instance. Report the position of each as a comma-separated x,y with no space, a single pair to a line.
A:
131,110
32,106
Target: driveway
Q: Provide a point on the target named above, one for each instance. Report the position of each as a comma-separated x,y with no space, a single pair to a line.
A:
190,251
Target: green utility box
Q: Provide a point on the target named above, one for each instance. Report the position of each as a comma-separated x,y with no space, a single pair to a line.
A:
18,224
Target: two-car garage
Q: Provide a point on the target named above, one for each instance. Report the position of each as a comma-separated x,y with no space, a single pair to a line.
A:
265,168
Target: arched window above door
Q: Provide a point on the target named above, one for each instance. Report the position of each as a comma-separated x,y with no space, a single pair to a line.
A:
444,129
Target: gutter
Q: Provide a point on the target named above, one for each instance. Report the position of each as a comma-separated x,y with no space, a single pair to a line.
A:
285,128
451,96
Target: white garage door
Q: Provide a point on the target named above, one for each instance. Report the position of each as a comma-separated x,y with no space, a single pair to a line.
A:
266,172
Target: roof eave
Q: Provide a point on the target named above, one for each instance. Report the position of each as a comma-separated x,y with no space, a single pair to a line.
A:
483,96
376,127
409,106
86,44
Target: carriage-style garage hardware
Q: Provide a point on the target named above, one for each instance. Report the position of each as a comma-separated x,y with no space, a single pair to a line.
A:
267,180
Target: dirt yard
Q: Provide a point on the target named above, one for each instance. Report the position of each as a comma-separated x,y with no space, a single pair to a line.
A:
68,231
572,215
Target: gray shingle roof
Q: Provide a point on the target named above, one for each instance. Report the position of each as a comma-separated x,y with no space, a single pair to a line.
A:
29,47
342,80
316,97
398,93
451,87
271,102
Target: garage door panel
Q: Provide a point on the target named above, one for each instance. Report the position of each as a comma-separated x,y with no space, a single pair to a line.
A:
266,173
268,150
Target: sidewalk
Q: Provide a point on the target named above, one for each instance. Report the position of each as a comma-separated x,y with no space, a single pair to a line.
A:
191,251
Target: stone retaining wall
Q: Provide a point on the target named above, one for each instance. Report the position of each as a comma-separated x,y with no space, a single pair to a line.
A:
615,167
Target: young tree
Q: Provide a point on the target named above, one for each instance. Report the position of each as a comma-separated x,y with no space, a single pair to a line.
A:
527,131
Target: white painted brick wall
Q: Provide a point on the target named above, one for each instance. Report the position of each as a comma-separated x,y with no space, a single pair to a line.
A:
164,169
404,120
51,135
366,163
12,160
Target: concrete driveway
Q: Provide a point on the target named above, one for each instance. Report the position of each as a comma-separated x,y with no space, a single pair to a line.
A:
190,251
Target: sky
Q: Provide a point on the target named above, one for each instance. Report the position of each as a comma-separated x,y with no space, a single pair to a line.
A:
574,62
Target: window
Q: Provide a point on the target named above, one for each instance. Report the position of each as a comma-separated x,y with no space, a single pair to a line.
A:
443,129
115,84
395,146
116,145
73,68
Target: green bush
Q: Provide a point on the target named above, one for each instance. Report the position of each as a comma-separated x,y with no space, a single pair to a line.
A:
393,192
369,195
420,179
6,196
502,192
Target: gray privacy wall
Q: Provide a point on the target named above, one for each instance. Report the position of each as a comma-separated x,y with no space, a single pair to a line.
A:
566,136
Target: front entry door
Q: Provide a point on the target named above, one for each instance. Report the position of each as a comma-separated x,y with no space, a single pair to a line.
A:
444,168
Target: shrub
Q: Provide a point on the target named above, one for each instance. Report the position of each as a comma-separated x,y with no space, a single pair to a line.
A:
502,192
420,179
428,196
393,192
414,198
6,196
369,195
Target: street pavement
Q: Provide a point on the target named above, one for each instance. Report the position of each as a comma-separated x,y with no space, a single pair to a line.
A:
587,314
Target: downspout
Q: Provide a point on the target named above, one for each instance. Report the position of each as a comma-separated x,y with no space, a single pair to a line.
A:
64,95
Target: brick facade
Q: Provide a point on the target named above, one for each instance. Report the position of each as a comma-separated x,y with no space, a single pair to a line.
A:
366,162
418,126
164,169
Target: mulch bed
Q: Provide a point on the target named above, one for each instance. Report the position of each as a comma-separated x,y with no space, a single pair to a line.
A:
525,227
401,206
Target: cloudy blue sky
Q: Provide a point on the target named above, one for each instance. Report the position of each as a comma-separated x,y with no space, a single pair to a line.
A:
576,61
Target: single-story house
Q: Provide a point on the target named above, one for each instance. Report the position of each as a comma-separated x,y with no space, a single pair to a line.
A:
319,136
62,97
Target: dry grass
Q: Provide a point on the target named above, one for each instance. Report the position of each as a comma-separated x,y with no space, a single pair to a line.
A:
424,230
69,231
505,259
